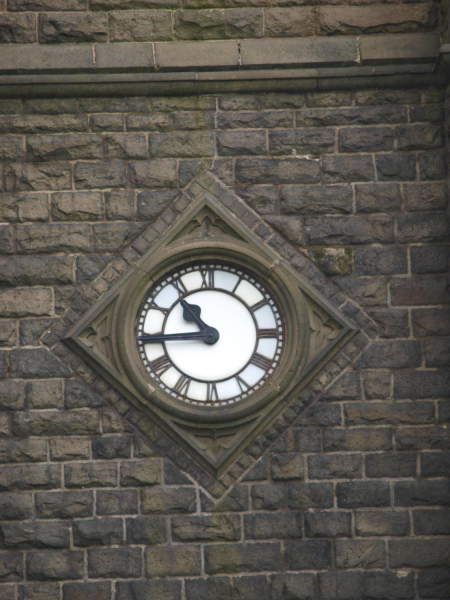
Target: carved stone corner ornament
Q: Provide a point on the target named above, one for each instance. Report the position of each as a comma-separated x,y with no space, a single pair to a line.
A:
211,334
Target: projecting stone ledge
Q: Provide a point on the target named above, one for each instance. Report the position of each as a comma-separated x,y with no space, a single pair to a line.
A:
198,67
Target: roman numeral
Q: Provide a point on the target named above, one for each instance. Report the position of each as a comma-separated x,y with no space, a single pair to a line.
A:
261,361
267,333
258,305
161,364
242,384
179,286
207,278
211,392
154,306
182,385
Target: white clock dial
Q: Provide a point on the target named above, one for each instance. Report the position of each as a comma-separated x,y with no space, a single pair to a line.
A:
229,305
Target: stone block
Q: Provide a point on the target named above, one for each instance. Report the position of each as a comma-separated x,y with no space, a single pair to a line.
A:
98,590
117,502
11,148
421,553
60,28
382,260
157,590
302,141
393,584
172,561
218,24
429,259
78,395
392,47
100,175
186,55
153,174
329,524
106,122
90,475
152,122
313,554
77,206
8,334
266,526
359,554
17,29
16,507
396,166
392,322
97,532
44,123
235,500
359,494
140,473
354,230
181,144
206,528
140,26
51,564
25,177
58,237
115,563
11,566
419,137
287,467
437,352
366,139
432,165
339,169
146,530
267,119
241,143
434,583
65,449
384,523
431,322
24,207
36,364
268,496
111,446
47,423
262,198
125,145
6,239
380,197
236,558
277,171
337,20
420,291
315,199
335,585
301,52
431,522
119,205
366,291
358,438
20,303
64,505
335,466
168,500
303,496
391,354
337,117
46,148
423,493
151,203
422,228
289,22
36,535
426,437
126,56
16,451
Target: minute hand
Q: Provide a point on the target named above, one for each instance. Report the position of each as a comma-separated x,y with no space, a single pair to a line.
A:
208,335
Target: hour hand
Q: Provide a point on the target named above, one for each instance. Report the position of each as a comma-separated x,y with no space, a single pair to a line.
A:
191,314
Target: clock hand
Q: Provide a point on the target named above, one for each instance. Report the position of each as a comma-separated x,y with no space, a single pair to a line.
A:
191,314
209,335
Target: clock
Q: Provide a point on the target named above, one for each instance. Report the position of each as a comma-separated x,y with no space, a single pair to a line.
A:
210,333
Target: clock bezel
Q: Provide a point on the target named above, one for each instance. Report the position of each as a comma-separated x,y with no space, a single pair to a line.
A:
289,299
244,274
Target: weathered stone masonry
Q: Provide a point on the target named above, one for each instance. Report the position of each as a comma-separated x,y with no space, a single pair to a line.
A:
351,501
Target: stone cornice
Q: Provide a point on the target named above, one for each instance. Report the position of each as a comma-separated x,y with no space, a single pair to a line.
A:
208,67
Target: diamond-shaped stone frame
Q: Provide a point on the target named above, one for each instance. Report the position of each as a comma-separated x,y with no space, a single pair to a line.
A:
213,475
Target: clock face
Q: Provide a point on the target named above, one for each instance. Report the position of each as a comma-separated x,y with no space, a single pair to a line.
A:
210,334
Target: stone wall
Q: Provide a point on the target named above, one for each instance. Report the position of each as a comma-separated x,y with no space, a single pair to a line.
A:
68,21
350,502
